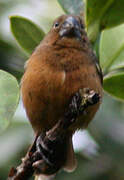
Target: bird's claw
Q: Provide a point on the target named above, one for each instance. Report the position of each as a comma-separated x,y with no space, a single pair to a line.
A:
81,100
52,156
89,98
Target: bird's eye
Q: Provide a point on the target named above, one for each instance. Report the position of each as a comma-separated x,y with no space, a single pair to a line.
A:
56,25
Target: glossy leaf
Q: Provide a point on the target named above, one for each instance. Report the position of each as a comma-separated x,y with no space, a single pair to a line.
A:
94,12
72,6
112,48
103,14
114,14
27,34
114,84
9,97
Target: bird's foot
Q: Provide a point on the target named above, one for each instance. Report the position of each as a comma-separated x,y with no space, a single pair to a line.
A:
89,98
51,153
80,101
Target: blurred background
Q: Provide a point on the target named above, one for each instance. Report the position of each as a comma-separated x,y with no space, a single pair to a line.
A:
99,149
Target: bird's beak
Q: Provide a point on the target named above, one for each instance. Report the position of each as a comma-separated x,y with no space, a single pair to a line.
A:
70,27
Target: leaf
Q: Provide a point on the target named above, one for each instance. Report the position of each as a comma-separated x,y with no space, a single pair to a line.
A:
95,11
114,14
114,84
103,14
4,46
27,34
72,6
9,98
112,48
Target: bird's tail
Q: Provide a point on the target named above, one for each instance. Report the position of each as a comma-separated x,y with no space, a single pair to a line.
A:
42,177
71,162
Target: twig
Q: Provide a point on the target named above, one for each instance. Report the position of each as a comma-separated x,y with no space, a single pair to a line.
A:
46,156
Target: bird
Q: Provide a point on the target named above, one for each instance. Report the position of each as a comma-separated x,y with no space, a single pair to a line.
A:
61,64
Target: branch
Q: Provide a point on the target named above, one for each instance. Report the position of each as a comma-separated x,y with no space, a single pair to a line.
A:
46,155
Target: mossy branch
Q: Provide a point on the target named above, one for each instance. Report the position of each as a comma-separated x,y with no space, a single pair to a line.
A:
44,155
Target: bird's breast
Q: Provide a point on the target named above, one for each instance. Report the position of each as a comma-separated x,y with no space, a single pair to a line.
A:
46,91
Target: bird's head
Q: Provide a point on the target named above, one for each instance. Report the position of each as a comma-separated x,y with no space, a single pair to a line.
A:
67,31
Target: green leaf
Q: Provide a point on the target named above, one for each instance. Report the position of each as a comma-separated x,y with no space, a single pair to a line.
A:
101,14
9,98
72,6
5,46
95,11
114,84
27,34
112,48
114,15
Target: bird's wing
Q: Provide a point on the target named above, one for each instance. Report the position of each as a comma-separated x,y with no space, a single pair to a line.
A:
97,64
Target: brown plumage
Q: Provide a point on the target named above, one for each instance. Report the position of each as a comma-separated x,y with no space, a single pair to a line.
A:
62,64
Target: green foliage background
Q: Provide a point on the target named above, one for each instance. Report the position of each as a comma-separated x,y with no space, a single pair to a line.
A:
105,28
